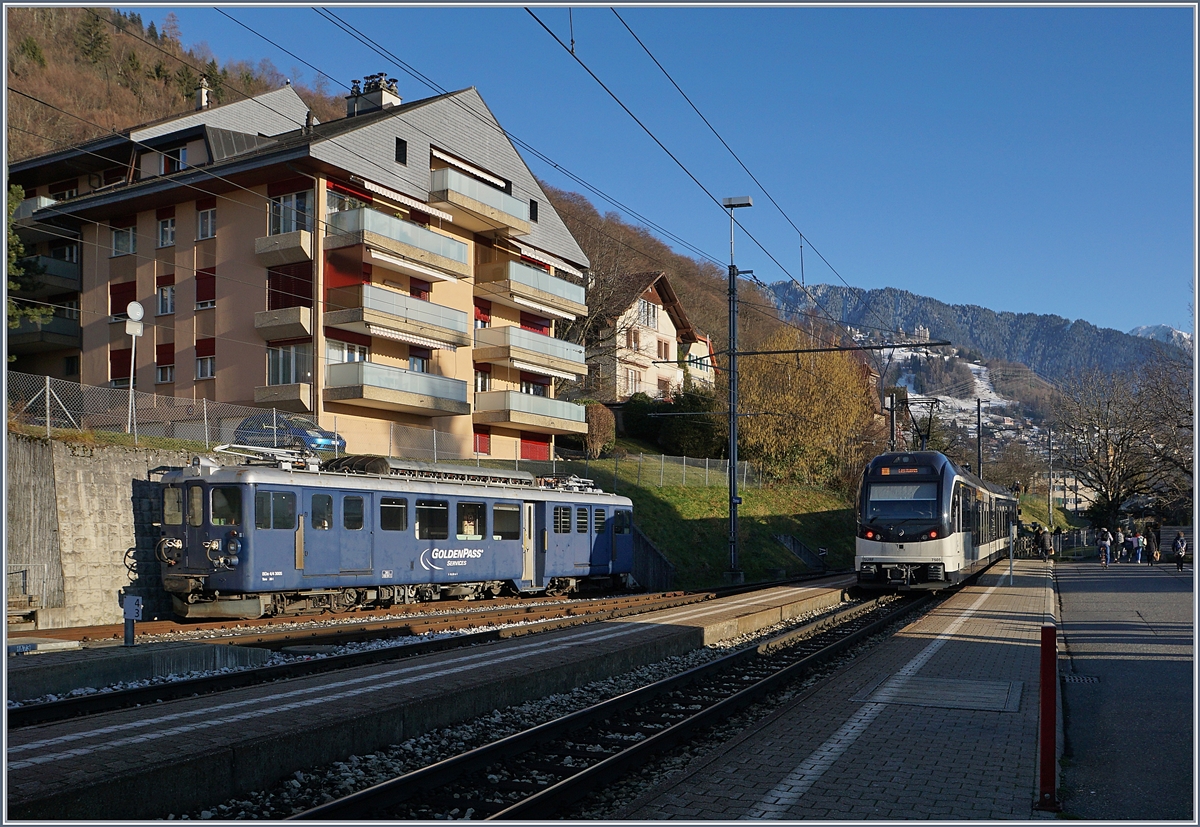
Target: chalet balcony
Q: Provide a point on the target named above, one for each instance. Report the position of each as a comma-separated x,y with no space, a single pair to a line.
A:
399,245
540,414
58,276
530,288
285,323
377,311
371,385
477,206
529,351
284,248
58,333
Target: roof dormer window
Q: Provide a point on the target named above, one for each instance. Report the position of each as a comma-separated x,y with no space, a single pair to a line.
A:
173,160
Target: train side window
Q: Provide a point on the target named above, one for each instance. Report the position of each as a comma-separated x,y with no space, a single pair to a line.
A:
599,520
322,512
622,522
352,513
172,506
506,521
581,520
472,521
274,509
433,519
393,514
226,506
195,507
562,519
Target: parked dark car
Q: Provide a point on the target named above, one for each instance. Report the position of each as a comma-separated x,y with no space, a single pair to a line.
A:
286,430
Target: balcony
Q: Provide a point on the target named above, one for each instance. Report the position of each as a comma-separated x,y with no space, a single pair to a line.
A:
56,334
528,412
402,244
31,205
32,230
478,206
394,389
58,276
285,248
296,397
377,311
526,350
285,323
519,285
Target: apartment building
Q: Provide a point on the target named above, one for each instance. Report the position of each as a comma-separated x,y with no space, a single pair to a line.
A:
646,342
399,265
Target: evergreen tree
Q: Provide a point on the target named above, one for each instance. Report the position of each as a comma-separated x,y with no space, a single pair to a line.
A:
152,32
91,38
21,274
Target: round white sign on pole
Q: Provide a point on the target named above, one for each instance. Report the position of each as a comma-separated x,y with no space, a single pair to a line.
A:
135,311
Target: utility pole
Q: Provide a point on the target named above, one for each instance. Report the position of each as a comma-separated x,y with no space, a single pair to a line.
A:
735,574
1050,477
979,436
892,421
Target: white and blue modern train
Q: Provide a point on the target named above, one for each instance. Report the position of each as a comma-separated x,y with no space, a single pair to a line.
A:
926,523
291,536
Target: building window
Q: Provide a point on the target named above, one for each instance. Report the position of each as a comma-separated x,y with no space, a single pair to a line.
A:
419,289
289,364
483,379
337,352
633,339
290,285
534,385
65,252
483,440
647,313
166,299
164,374
664,350
533,210
71,366
206,224
290,212
166,232
206,288
483,313
173,160
664,388
418,359
119,297
68,309
206,367
64,190
340,202
401,151
124,241
633,381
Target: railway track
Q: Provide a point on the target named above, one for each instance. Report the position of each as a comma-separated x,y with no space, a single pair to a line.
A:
535,618
540,772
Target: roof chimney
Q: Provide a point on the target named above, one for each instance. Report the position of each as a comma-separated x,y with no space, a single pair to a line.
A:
377,92
203,94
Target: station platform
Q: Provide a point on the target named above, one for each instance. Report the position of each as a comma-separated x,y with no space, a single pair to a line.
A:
939,722
180,755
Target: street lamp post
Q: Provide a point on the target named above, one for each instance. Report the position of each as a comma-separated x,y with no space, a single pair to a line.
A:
735,574
134,327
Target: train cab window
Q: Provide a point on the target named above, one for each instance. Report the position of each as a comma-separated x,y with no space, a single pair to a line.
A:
472,521
322,512
274,509
902,501
352,513
599,520
226,506
581,520
433,519
393,514
172,506
195,507
562,519
506,521
622,522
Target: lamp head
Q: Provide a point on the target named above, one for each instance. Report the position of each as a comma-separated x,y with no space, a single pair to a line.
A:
737,201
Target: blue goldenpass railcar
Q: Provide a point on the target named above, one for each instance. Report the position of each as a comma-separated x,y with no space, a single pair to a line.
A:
294,537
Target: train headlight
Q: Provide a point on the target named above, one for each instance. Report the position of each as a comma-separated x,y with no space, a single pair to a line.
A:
234,546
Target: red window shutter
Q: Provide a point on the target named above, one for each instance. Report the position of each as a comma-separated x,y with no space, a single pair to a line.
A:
206,204
164,354
483,439
347,336
483,310
120,295
420,352
206,347
206,284
419,289
289,286
483,367
165,280
535,446
533,378
164,212
123,223
538,324
288,186
118,363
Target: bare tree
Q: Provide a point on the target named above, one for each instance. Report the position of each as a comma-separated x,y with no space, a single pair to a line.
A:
1166,404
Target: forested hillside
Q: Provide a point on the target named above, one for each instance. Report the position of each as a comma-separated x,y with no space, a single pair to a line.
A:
1052,346
95,70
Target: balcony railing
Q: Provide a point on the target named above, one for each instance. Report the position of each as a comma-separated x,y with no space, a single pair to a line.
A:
538,279
31,205
349,374
407,308
54,334
365,219
527,403
516,337
452,180
57,275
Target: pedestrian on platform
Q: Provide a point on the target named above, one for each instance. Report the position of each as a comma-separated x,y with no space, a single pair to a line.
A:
1103,541
1180,549
1118,545
1151,546
1139,545
1045,544
1130,548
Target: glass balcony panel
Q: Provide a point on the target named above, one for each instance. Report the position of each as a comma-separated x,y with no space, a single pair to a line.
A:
530,404
541,280
396,379
414,310
513,336
31,205
406,232
452,179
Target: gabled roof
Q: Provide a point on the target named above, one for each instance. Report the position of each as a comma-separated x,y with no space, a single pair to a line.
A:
635,285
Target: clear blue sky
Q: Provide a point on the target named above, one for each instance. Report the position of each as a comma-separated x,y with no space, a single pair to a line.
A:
1024,159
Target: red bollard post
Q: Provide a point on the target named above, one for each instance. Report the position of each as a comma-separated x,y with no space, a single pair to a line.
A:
1048,723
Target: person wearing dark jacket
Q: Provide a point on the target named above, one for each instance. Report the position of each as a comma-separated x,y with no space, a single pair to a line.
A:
1045,544
1180,549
